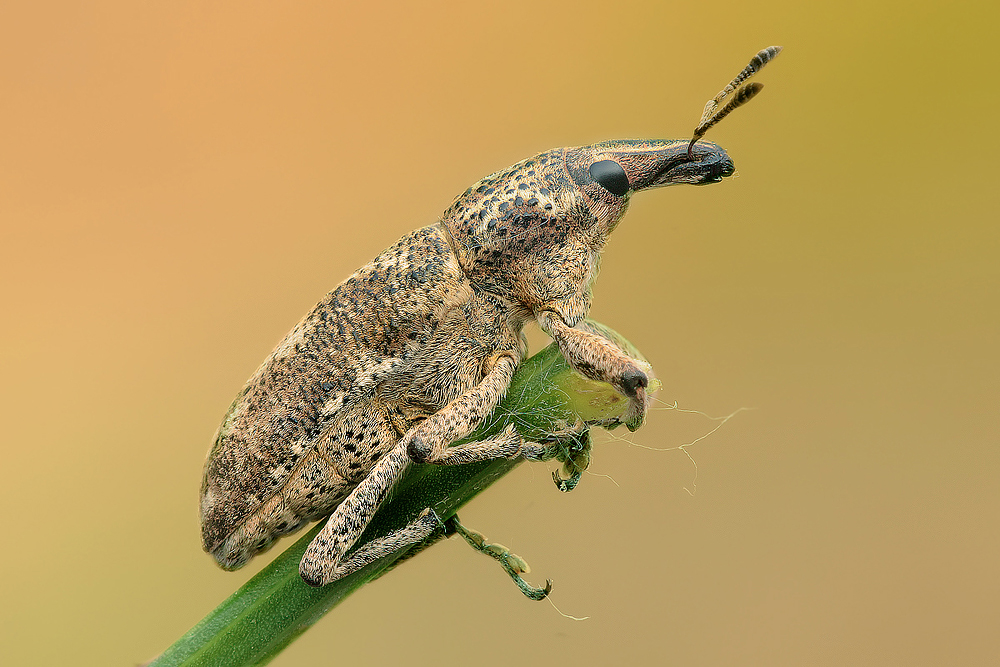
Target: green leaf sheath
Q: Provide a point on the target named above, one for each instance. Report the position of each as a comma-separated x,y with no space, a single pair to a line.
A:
546,398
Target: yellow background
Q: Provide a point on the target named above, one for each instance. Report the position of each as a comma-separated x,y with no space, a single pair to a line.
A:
180,182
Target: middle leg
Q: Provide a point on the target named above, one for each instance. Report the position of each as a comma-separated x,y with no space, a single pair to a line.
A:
430,441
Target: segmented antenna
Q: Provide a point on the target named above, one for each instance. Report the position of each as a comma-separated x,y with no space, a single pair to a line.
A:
743,95
710,116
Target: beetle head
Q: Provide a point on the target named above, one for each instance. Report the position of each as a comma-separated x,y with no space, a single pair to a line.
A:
606,174
544,221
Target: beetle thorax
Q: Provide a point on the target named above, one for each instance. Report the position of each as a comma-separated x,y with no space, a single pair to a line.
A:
526,233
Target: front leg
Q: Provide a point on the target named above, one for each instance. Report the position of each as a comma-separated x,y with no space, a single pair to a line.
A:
597,358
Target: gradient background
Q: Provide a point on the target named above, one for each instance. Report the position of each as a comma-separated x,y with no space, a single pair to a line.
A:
180,182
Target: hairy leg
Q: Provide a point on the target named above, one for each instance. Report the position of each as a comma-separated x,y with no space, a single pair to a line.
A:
597,358
428,442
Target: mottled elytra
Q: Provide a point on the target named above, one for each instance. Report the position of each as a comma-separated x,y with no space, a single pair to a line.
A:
412,351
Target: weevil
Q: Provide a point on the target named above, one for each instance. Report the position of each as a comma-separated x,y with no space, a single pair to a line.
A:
413,350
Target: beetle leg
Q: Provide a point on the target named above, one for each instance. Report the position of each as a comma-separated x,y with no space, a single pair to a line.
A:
538,452
572,451
348,521
576,458
512,564
597,358
425,443
417,531
429,441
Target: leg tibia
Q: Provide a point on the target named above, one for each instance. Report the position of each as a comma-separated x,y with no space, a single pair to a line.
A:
414,533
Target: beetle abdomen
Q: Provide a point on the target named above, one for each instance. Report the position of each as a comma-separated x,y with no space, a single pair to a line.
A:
362,331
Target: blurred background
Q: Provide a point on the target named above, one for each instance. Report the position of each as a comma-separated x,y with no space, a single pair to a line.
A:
180,182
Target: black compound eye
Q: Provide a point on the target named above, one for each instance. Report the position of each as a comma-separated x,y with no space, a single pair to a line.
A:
611,175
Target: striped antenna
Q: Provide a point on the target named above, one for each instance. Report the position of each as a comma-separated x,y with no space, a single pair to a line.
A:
710,116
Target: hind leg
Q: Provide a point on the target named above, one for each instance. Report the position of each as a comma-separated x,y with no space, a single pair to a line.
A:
512,564
321,563
426,442
417,531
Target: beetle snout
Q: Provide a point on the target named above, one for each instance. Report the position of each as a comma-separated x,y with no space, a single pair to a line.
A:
711,162
657,163
705,163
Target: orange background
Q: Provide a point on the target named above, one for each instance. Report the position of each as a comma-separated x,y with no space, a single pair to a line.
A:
180,182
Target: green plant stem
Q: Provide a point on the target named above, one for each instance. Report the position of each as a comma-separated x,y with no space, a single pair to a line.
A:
266,614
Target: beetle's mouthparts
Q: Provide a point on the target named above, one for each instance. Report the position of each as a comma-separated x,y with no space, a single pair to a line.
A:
709,166
705,163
